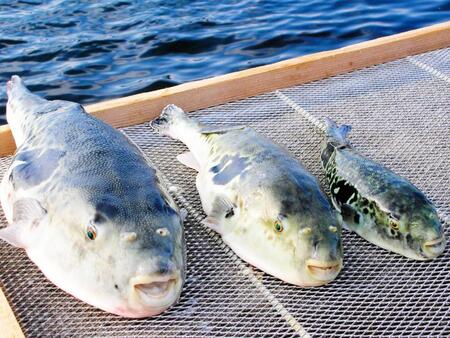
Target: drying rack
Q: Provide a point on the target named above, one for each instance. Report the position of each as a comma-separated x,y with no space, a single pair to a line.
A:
395,91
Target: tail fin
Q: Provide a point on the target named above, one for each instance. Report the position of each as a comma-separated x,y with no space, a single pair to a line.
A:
173,121
336,135
16,90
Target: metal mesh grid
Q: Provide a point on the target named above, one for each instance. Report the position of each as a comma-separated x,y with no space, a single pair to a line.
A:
399,112
436,63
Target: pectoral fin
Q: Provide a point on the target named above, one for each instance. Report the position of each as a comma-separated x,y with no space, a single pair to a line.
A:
335,204
12,235
189,160
27,210
27,213
212,223
222,208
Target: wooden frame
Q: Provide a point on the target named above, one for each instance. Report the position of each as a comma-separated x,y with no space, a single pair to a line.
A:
9,327
221,89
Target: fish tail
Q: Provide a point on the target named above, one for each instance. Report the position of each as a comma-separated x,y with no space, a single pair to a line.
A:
337,135
174,122
20,113
16,90
16,83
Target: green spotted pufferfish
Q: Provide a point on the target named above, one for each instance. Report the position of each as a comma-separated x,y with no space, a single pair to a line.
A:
376,203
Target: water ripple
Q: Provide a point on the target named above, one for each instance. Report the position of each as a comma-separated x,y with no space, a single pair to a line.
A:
90,51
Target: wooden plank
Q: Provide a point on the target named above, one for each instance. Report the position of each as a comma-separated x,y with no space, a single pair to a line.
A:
7,145
9,327
221,89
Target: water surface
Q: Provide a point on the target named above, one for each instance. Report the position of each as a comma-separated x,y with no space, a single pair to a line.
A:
89,51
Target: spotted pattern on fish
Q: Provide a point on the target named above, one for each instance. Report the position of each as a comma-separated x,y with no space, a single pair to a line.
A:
378,204
355,208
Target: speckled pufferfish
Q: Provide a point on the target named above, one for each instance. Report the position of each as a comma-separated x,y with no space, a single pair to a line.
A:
83,202
262,201
378,204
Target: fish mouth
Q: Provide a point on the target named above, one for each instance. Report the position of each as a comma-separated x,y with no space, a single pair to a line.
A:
434,248
323,270
156,291
150,295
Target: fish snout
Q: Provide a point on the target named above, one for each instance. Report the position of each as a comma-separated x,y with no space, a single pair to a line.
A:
157,284
155,293
165,117
323,270
154,286
433,248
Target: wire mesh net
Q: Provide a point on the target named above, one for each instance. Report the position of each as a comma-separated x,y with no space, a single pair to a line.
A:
399,113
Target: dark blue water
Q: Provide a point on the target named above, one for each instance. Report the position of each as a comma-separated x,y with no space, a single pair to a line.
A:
89,51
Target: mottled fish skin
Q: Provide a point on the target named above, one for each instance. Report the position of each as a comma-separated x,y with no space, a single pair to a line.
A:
274,214
376,203
242,161
86,175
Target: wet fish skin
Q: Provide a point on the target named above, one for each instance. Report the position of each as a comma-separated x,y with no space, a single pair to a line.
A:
264,203
376,203
74,176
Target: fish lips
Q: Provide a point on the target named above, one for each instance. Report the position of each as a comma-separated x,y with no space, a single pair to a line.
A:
324,271
432,249
152,294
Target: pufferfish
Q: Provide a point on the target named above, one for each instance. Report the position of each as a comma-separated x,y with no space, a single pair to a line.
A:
376,203
89,210
266,206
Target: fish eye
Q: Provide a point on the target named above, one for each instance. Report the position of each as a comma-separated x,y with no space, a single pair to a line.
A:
91,232
278,226
332,228
394,224
162,232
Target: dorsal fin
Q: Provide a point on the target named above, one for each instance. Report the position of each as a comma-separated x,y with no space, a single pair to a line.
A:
214,129
337,135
